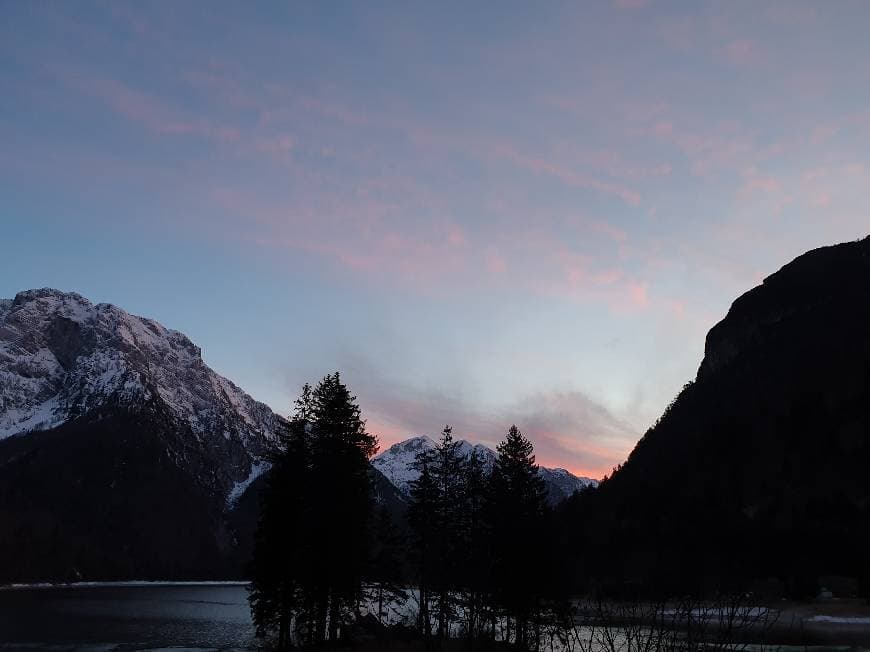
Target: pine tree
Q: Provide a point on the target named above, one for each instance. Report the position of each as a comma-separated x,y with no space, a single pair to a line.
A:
474,557
422,514
276,591
341,505
447,476
517,510
311,548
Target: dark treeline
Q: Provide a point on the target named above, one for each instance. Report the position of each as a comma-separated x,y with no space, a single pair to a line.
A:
753,482
478,555
471,554
477,544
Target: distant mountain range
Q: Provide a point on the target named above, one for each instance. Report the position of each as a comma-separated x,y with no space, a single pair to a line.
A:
123,455
396,465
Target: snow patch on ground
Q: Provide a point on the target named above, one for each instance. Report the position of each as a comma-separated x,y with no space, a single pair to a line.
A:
125,584
840,620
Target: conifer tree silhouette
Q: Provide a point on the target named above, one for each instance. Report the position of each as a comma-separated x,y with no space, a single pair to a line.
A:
517,511
312,544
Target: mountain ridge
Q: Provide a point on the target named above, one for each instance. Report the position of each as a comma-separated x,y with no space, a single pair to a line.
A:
763,457
395,463
63,357
122,453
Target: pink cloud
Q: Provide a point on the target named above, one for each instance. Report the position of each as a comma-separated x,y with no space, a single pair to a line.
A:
613,232
495,262
756,182
678,33
456,236
630,4
638,294
663,129
567,176
335,112
821,199
142,108
823,134
792,14
569,429
677,308
359,232
742,52
709,149
276,145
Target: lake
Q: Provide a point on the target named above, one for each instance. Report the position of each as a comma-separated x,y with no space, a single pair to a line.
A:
215,616
96,618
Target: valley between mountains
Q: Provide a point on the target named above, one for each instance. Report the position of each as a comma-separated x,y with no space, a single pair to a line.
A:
124,456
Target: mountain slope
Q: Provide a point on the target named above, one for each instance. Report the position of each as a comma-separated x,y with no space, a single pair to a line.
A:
62,358
121,451
103,499
761,467
396,464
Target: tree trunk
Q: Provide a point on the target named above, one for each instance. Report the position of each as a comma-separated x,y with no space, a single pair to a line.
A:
472,613
333,618
320,630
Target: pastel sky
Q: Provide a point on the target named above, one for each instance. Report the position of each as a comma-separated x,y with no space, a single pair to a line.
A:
480,213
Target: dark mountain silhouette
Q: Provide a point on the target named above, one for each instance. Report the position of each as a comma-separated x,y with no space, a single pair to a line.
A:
759,471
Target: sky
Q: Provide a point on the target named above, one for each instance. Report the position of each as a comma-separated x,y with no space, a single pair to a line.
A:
479,213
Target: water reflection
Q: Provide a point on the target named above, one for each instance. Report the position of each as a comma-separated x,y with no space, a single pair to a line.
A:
126,618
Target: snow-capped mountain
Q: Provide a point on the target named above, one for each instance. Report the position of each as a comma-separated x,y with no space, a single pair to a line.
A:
396,463
122,454
63,358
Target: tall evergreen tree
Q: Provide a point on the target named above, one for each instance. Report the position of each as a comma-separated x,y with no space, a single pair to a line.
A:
312,541
474,553
517,510
276,591
447,475
436,517
341,506
422,515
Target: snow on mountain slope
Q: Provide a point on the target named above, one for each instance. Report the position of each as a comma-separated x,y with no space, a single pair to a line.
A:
396,464
62,357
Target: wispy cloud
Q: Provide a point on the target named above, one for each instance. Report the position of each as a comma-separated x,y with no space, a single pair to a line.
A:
568,428
142,108
618,172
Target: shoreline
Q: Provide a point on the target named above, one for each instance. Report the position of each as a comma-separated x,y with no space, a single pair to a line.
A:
119,584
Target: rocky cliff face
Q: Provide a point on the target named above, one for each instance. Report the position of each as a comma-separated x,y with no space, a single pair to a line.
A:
829,283
761,466
122,454
63,358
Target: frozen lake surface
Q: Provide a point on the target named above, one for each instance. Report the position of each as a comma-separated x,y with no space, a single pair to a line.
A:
132,617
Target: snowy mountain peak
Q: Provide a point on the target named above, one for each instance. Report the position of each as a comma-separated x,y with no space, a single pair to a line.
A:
396,464
49,293
63,357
